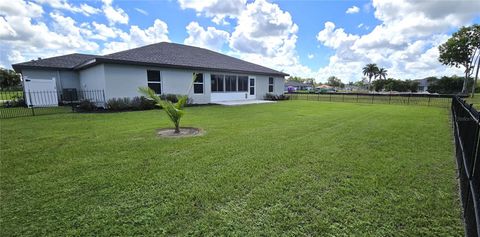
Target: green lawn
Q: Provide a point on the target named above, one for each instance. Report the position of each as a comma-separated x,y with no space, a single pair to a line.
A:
376,99
475,100
290,168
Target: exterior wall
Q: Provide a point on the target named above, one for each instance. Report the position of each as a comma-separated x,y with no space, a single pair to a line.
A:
64,79
120,81
93,78
69,79
124,81
177,81
262,86
278,85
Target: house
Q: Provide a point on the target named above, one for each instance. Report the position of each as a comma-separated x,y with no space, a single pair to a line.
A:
292,86
167,68
325,88
422,85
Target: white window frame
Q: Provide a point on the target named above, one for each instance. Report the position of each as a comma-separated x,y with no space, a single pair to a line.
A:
198,83
156,82
272,84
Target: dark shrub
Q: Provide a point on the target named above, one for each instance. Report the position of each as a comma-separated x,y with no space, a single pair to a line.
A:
86,106
119,104
142,103
170,97
16,101
138,103
273,97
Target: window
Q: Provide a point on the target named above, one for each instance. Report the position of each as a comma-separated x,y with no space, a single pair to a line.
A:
243,83
217,83
198,83
270,84
230,83
154,82
252,86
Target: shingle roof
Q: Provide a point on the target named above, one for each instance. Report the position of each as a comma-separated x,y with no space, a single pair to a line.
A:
296,83
161,54
68,61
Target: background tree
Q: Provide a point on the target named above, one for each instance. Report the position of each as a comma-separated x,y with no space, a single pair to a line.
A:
9,79
382,73
335,82
370,70
462,49
447,85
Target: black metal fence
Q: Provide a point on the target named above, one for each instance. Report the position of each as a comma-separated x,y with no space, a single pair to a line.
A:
403,99
32,103
466,127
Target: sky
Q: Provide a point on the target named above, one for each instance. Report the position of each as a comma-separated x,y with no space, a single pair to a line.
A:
306,38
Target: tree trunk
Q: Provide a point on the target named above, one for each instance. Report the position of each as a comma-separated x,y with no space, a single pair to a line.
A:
177,128
370,83
476,76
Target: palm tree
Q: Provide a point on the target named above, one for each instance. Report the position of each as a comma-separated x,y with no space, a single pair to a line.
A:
382,73
370,70
174,110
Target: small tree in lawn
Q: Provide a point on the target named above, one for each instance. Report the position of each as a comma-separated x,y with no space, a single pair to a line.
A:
462,49
174,110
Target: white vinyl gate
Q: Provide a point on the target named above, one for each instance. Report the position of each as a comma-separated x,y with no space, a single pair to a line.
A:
41,92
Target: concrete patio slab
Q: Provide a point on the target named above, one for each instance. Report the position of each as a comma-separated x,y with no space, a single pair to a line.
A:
243,102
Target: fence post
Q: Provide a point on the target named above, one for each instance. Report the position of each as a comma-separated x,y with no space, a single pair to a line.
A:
408,101
343,97
330,97
31,104
429,100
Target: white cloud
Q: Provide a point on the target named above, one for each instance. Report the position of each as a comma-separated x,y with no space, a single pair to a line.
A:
20,8
210,38
89,10
114,14
136,37
64,5
141,11
406,48
266,35
310,56
218,10
103,32
25,36
353,10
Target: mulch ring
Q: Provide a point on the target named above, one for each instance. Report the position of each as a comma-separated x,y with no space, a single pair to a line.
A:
184,132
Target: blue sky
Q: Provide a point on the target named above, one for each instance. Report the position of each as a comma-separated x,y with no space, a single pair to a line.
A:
307,38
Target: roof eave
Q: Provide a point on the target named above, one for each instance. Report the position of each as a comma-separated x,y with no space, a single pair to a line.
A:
19,67
96,61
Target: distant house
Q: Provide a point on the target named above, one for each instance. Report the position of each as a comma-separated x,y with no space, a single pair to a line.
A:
422,85
295,86
325,88
167,68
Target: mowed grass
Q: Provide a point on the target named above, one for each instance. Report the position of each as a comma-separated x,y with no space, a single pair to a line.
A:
397,99
290,168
